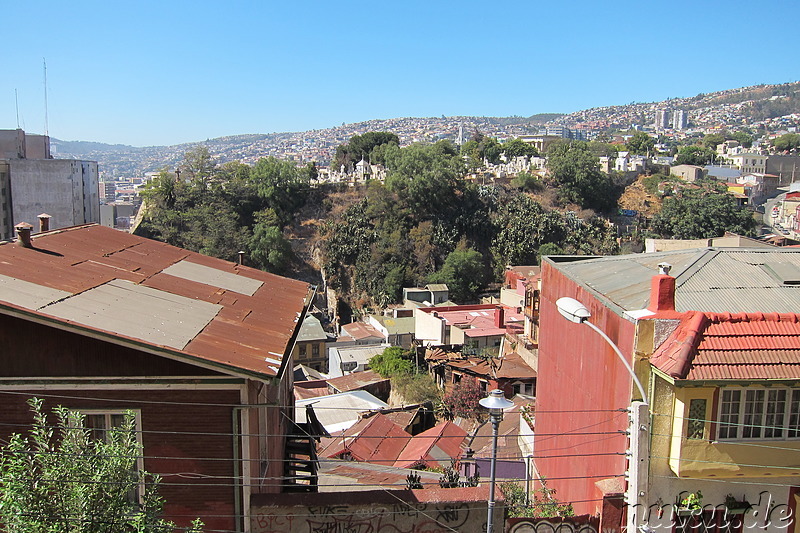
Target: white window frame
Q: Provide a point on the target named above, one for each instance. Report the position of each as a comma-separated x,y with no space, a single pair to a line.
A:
758,413
137,428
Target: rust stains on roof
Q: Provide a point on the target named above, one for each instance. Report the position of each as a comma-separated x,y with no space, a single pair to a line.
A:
250,333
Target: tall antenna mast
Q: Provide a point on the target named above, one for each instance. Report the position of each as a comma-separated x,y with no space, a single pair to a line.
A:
16,102
45,97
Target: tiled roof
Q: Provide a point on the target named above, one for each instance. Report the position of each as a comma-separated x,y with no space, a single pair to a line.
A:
155,297
724,346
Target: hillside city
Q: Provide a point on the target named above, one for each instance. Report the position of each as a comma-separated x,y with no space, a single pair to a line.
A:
586,321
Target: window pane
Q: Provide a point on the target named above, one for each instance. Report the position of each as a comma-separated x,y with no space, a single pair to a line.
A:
729,414
794,415
776,409
753,414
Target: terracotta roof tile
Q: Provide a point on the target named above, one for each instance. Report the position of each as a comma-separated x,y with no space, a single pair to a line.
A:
725,346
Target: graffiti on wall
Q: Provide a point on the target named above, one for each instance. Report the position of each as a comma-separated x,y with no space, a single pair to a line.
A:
542,525
411,517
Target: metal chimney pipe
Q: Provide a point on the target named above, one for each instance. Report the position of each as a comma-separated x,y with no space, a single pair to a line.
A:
24,234
44,222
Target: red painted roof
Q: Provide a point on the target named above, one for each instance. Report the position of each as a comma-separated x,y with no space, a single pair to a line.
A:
375,439
249,332
360,331
724,346
446,437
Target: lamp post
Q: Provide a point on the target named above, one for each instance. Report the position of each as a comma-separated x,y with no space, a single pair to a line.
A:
495,402
576,312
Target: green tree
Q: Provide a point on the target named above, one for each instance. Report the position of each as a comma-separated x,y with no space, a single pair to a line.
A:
640,143
269,249
702,214
61,480
786,142
199,163
711,140
517,147
362,146
527,182
522,226
463,272
393,361
281,185
694,155
744,138
575,171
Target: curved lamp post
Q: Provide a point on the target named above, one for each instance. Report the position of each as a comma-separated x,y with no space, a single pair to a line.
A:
496,402
576,312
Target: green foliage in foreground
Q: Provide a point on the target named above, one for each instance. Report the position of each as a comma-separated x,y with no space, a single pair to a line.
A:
543,504
60,480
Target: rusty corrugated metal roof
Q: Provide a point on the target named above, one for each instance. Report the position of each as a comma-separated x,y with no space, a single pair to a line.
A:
724,346
99,279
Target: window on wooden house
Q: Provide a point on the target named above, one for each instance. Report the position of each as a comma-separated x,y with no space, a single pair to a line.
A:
101,423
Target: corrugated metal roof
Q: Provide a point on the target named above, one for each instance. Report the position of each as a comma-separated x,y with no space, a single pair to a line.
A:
28,295
136,311
116,284
214,277
735,280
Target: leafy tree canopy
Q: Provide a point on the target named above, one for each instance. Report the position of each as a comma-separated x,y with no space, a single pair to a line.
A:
362,146
702,214
640,143
575,171
463,272
786,142
393,361
694,155
61,480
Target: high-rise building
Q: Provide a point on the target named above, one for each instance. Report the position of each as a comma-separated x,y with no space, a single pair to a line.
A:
32,183
679,119
662,119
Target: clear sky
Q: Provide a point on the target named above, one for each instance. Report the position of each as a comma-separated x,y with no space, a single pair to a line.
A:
167,72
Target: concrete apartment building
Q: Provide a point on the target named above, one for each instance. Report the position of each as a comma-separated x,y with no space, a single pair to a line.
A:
32,183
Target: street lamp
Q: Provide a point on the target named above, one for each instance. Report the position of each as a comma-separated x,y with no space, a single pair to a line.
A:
576,312
496,402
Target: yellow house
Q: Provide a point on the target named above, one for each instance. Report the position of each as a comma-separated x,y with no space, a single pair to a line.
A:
725,395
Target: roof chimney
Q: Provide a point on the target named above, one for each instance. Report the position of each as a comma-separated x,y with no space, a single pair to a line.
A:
44,222
662,290
499,317
24,234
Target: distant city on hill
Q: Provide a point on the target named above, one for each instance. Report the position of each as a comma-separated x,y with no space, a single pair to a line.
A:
756,108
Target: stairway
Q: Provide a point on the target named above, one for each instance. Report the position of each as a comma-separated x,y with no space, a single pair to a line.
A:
300,466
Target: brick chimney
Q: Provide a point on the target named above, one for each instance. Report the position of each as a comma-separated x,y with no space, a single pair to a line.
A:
499,317
44,222
24,234
662,290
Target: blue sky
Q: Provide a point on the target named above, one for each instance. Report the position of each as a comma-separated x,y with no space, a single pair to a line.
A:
152,73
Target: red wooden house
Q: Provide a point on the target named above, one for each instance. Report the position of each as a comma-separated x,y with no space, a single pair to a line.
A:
102,321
